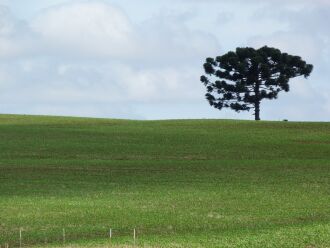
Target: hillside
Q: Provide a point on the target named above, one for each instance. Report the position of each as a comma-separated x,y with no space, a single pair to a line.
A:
180,183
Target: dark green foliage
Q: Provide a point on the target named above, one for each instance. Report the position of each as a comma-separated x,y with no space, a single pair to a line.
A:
241,80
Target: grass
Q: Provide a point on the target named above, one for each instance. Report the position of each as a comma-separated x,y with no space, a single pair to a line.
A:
180,183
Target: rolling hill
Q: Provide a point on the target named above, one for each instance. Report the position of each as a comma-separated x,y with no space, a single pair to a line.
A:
180,183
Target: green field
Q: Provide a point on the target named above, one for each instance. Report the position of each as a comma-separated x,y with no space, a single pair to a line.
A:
180,183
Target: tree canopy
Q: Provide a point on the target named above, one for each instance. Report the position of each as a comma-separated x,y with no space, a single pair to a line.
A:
240,80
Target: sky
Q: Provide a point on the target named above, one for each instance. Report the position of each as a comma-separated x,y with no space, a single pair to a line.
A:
143,59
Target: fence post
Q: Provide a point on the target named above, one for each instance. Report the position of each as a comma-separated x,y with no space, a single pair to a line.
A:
20,238
110,236
63,236
134,236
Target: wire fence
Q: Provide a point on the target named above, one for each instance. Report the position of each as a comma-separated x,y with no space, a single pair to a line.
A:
25,237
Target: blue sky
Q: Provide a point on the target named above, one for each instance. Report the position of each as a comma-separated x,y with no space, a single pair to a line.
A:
143,59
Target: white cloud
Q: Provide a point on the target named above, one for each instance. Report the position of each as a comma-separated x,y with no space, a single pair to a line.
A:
4,78
81,88
151,62
156,61
93,28
8,29
166,36
15,37
157,84
109,82
293,43
97,29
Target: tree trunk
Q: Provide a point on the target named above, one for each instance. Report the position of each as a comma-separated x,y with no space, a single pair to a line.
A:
257,102
257,111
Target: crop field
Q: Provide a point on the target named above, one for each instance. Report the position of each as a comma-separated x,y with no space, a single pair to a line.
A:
179,183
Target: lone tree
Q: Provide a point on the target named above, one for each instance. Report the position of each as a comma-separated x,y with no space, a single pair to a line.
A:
241,80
